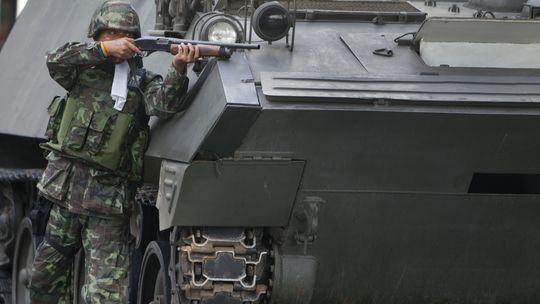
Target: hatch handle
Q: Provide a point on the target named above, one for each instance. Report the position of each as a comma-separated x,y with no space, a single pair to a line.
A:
384,52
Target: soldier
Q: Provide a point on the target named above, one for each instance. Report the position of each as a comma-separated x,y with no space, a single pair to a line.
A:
97,137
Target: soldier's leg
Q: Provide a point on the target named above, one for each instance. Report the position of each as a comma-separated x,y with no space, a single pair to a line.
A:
50,272
107,247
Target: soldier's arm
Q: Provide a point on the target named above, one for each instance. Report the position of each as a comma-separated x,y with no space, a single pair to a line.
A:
164,96
65,62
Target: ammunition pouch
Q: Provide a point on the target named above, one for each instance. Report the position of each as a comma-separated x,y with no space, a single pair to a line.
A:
88,128
55,110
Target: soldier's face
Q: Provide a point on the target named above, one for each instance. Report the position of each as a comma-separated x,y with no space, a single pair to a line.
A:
110,34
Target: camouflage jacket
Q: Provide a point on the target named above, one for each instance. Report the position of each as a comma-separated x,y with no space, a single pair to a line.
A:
76,185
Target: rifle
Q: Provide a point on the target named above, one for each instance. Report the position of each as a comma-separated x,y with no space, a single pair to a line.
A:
206,48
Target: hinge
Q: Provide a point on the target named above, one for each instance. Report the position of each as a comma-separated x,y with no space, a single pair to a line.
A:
263,156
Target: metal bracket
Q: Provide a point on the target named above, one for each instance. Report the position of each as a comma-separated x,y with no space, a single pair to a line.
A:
308,215
378,20
454,9
169,185
163,19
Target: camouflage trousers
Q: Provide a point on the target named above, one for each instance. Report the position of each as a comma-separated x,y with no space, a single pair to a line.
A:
106,243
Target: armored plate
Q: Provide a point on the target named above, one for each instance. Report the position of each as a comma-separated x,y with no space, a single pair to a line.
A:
217,119
228,193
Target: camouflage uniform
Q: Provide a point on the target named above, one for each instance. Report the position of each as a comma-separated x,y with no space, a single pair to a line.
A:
93,205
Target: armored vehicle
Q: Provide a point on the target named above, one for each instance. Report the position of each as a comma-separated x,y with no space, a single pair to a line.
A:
365,154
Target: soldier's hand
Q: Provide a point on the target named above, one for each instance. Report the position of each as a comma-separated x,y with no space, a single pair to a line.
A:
122,48
185,53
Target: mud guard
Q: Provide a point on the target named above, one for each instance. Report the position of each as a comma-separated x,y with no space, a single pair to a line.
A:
228,193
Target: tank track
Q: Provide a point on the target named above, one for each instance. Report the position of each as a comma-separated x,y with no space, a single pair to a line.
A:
20,175
5,287
222,265
217,265
27,177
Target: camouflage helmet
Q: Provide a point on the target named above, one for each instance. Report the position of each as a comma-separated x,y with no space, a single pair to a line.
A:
116,15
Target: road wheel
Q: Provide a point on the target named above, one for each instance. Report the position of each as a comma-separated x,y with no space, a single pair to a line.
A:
23,258
154,282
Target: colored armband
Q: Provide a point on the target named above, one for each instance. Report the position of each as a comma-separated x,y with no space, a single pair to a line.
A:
102,51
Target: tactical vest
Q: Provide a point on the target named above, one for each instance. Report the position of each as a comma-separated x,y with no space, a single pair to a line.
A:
86,126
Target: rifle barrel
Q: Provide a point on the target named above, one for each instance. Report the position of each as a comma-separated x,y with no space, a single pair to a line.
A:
166,41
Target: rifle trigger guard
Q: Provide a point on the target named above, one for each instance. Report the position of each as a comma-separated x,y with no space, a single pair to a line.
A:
146,53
